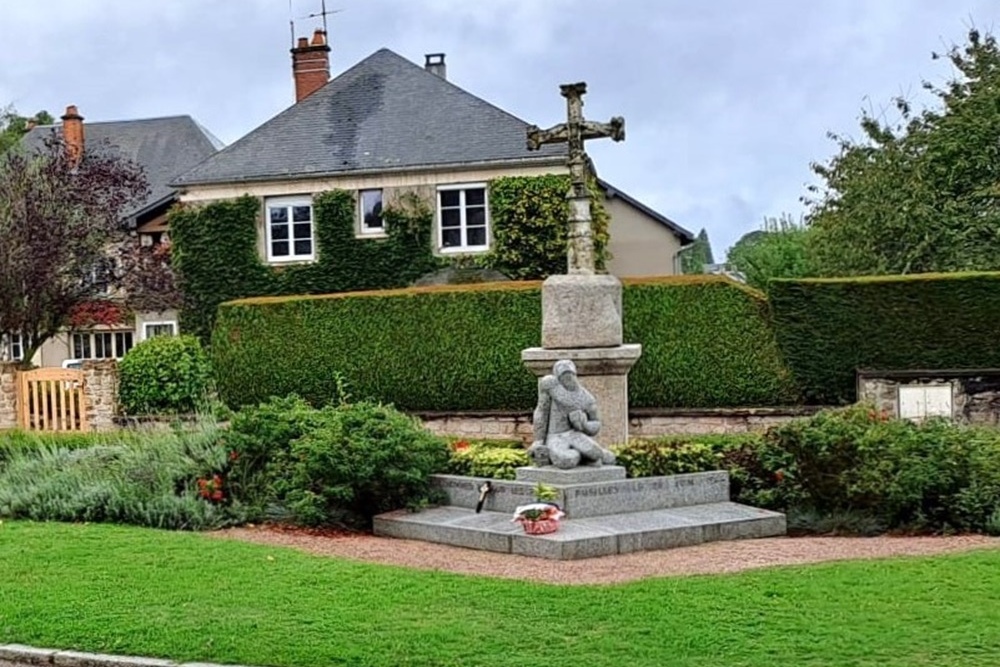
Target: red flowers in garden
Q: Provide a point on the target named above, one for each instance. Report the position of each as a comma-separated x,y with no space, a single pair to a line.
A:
211,489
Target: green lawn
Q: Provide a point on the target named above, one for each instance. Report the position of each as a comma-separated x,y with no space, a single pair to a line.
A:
188,597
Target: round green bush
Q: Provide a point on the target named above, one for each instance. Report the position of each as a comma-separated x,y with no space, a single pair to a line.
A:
363,459
164,375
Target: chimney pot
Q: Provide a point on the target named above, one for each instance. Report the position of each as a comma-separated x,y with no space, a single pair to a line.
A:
310,65
72,126
434,63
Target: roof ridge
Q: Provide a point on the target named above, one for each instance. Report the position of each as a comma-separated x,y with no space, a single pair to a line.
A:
124,120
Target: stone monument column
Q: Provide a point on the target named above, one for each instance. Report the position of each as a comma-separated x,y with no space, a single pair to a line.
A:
582,310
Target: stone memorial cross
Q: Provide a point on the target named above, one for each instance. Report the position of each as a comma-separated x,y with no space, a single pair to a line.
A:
574,132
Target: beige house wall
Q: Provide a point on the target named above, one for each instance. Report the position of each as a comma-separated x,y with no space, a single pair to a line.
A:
142,319
639,245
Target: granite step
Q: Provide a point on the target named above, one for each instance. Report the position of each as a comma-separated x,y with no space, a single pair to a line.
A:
584,537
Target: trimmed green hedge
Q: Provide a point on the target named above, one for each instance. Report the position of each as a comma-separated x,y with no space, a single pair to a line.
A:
707,343
829,328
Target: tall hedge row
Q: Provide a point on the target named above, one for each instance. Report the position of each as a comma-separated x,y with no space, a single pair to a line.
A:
829,328
707,342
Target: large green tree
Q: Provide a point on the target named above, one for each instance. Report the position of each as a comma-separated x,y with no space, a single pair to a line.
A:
14,126
920,194
777,250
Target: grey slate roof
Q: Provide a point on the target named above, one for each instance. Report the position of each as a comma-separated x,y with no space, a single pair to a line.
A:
164,147
385,113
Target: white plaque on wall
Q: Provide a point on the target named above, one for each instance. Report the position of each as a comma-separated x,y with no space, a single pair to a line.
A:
920,401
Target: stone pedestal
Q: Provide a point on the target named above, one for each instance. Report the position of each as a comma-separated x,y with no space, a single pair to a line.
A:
581,311
603,371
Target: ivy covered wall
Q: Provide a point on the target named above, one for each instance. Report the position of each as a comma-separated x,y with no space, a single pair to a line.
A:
528,216
216,253
217,257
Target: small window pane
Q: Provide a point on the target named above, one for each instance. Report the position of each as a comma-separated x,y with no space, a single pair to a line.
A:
451,219
303,231
279,248
371,209
450,197
475,197
279,232
164,329
477,236
451,238
279,214
81,346
123,343
475,217
303,247
102,346
301,213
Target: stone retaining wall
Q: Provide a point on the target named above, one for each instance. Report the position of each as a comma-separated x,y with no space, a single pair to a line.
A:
8,395
643,423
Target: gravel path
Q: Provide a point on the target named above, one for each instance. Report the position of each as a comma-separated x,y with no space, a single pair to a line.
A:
712,558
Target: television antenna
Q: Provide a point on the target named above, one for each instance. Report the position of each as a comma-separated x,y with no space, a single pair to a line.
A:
323,12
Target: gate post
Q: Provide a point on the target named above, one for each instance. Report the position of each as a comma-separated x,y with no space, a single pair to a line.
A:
100,382
8,395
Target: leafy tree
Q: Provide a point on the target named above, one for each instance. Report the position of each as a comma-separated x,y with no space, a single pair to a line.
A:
697,255
778,250
919,195
14,126
58,219
146,277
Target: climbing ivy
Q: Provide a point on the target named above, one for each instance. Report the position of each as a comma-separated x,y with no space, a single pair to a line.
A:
216,253
528,215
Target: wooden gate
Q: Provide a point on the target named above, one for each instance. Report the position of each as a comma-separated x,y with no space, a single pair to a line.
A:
51,399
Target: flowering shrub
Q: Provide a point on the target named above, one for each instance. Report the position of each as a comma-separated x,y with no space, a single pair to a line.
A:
211,489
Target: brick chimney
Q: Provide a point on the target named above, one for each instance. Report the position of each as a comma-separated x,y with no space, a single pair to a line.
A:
72,127
310,65
434,63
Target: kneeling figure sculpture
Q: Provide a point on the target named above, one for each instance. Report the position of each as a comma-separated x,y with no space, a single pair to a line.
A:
565,422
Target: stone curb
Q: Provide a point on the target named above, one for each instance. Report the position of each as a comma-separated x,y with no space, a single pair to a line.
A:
30,655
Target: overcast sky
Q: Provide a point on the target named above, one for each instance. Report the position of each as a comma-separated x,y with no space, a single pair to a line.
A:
726,102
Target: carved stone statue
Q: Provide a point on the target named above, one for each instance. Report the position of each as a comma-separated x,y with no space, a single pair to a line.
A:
565,422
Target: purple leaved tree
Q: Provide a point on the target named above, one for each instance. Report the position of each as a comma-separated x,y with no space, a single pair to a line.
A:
60,217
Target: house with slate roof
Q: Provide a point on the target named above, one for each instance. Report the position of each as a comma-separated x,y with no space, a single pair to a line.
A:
164,148
388,126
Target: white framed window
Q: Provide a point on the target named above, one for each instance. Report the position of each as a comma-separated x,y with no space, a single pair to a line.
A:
920,401
289,229
370,205
463,218
154,329
101,344
11,347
